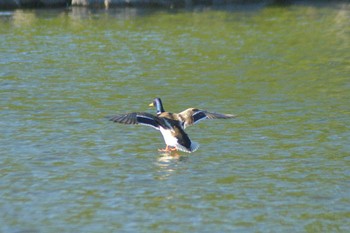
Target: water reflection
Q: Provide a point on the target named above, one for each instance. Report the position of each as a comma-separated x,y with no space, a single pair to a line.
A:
168,163
118,13
341,24
29,17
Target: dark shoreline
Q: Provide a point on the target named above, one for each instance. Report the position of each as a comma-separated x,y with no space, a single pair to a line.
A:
23,4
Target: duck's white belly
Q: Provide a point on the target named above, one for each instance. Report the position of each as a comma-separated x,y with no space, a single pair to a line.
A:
169,139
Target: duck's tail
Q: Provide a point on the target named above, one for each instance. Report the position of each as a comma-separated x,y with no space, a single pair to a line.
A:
193,147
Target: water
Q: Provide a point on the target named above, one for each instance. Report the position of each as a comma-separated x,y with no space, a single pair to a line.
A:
281,166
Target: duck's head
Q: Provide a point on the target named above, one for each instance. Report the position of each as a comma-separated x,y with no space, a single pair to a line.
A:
158,104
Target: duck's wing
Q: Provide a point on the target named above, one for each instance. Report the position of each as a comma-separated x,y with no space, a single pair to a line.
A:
134,118
193,115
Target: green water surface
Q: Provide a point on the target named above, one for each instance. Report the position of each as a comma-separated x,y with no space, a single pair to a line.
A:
282,166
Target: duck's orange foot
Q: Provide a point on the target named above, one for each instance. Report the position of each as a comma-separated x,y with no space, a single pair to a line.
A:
167,149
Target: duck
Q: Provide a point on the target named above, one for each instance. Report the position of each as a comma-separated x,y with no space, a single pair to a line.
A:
171,125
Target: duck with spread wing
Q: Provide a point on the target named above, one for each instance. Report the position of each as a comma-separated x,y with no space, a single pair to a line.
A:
171,125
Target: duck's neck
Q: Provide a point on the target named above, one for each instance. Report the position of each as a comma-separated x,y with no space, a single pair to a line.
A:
159,106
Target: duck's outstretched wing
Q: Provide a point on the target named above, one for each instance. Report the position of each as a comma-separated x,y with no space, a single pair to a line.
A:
193,115
134,118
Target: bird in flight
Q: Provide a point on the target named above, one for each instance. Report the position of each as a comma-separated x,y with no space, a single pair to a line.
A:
171,125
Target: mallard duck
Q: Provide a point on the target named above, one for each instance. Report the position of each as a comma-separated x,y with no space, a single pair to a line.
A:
171,125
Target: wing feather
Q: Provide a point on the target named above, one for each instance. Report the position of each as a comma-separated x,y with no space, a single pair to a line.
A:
192,116
134,118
